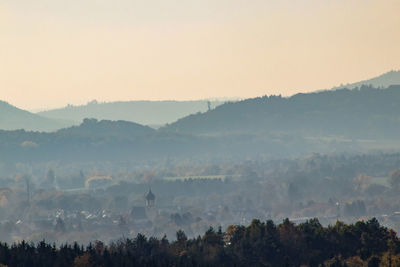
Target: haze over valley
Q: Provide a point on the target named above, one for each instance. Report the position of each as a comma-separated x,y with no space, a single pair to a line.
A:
331,155
200,133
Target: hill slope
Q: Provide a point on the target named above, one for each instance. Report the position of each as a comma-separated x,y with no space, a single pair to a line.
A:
385,80
12,118
364,112
330,121
155,113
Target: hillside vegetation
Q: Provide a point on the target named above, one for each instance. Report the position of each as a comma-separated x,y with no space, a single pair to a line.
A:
362,112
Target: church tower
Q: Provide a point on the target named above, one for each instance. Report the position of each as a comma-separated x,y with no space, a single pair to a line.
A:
150,199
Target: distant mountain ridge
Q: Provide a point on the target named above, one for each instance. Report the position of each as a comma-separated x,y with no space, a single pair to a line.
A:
159,113
179,113
153,113
382,81
12,118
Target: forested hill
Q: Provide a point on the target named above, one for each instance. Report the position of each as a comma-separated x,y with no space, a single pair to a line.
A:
330,121
155,113
97,140
120,140
106,128
361,112
12,118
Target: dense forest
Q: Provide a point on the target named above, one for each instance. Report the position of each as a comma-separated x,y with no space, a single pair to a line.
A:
364,243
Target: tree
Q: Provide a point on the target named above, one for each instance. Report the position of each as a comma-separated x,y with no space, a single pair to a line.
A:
181,237
84,260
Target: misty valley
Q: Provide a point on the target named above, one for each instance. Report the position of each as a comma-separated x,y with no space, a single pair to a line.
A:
276,175
104,201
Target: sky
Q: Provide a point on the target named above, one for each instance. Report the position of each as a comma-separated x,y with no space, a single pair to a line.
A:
59,52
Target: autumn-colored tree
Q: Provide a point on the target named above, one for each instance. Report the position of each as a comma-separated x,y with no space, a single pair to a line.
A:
83,261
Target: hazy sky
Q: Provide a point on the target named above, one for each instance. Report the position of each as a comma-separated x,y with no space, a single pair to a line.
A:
54,52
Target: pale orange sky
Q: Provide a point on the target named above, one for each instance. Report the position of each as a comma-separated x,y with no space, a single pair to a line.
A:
55,52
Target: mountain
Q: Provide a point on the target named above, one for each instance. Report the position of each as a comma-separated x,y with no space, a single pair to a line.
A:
364,112
159,113
12,118
343,120
382,81
154,113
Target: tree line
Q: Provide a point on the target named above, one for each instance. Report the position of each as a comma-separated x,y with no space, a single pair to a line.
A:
365,243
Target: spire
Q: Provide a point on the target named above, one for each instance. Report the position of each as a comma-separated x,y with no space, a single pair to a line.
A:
150,196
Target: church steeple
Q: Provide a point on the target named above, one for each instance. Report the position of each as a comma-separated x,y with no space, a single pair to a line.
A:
150,199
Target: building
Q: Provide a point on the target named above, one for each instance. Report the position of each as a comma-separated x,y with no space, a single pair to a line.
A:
150,199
